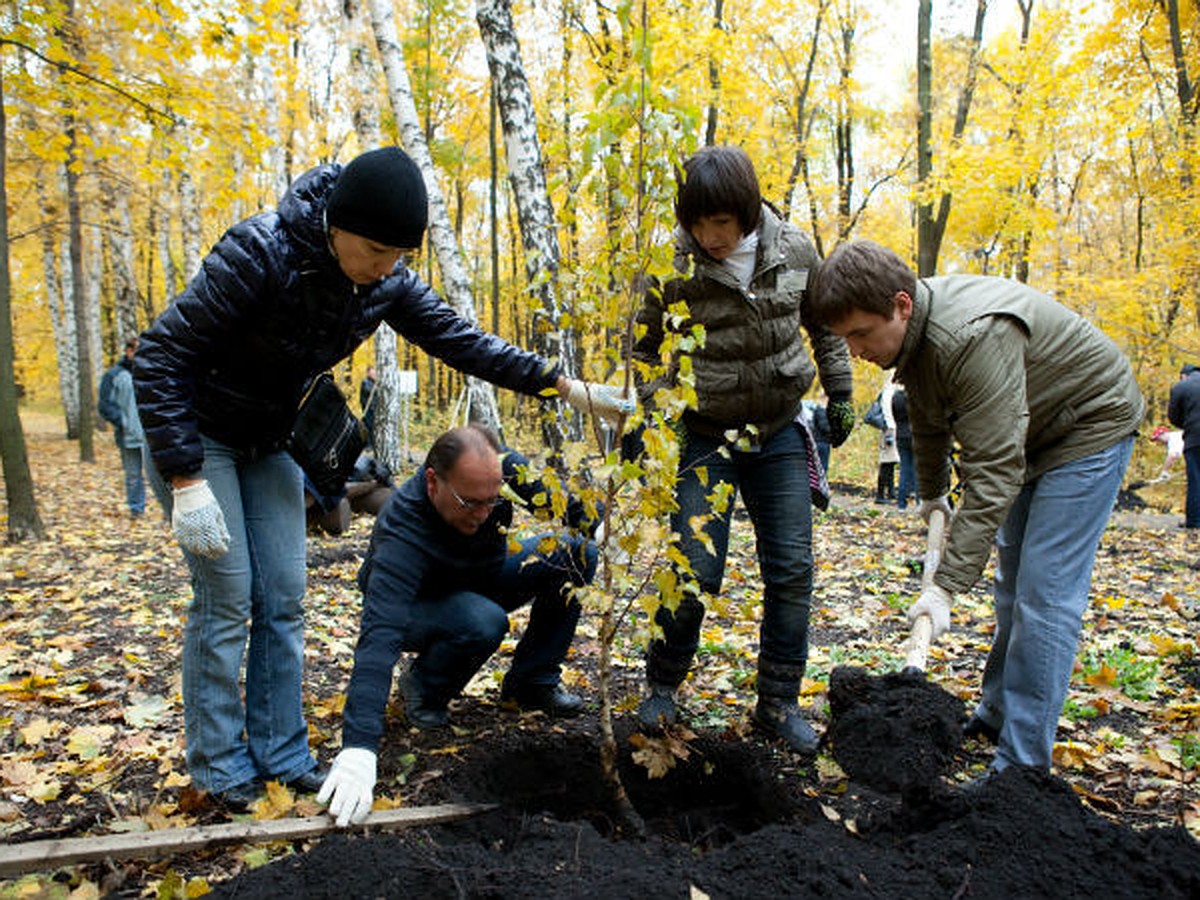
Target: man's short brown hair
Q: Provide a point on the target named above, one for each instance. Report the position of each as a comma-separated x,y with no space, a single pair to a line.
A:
858,275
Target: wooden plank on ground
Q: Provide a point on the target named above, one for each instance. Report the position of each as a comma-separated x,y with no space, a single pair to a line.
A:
49,854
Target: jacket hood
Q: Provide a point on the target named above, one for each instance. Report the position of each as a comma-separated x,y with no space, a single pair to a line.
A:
302,209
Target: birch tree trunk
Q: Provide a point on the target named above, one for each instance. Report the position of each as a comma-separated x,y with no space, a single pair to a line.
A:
162,215
190,224
385,437
118,237
535,212
62,323
456,287
83,342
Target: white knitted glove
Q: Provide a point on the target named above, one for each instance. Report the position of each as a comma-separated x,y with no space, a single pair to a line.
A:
350,783
934,602
197,520
603,400
928,506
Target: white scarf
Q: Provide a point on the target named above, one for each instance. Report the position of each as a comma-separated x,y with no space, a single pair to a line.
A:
740,261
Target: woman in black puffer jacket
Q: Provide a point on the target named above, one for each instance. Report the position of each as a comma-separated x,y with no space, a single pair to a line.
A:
219,376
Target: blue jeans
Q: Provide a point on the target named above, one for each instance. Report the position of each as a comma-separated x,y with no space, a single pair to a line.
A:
773,481
455,634
261,580
132,459
1191,510
908,472
1046,548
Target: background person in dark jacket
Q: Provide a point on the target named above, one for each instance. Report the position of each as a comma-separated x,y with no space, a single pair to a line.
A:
1044,407
440,579
746,275
283,296
904,446
1183,411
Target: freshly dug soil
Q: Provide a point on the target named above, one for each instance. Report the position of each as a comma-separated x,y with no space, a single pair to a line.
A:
893,732
736,819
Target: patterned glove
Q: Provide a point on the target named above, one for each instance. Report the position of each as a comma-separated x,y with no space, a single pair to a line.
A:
197,521
602,400
350,784
841,421
935,603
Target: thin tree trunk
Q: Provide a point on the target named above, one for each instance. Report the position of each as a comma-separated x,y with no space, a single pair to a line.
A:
23,519
62,323
456,287
83,338
535,212
118,236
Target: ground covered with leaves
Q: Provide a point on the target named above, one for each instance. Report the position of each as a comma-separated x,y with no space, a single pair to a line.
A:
91,735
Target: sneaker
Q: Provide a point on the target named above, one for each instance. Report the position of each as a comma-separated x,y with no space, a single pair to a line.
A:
783,720
419,715
552,699
239,797
310,782
978,729
659,708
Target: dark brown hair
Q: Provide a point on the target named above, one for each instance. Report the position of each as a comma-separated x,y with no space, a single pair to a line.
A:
717,180
858,275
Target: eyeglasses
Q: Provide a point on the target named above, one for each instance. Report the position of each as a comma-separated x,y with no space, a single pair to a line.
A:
489,503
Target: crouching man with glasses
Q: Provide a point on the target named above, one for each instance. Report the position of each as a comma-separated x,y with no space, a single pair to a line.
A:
440,578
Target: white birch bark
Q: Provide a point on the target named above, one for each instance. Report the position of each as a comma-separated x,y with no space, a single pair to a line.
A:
535,212
189,218
162,217
62,323
118,239
386,439
456,287
93,266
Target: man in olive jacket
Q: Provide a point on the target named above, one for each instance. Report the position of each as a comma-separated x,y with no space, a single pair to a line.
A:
1045,408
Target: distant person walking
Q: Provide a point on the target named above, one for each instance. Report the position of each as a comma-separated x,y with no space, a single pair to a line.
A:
118,406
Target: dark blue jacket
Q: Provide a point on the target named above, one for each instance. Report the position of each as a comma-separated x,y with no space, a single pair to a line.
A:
271,308
1183,408
415,554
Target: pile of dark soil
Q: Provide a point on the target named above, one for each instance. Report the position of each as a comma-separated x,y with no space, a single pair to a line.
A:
893,732
735,820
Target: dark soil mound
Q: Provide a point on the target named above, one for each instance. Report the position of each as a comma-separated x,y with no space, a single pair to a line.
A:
893,732
733,821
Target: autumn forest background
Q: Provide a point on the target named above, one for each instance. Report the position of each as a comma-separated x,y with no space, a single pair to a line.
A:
1049,142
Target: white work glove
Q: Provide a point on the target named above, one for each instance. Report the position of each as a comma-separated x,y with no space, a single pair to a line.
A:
935,603
350,783
197,521
617,554
603,400
928,506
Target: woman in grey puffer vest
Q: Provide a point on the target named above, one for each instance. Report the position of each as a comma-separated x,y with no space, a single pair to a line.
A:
746,288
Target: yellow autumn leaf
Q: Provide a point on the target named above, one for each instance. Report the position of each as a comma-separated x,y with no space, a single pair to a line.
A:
39,729
87,741
276,803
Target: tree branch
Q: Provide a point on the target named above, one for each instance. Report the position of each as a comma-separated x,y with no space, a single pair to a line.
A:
75,70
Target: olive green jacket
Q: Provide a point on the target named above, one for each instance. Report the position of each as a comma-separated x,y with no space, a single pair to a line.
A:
1022,383
754,367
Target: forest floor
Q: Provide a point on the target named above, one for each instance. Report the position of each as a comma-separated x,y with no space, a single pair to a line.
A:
91,734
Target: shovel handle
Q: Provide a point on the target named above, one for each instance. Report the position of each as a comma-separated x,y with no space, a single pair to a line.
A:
917,646
919,638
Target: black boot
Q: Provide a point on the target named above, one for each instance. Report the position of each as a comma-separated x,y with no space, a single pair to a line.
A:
777,711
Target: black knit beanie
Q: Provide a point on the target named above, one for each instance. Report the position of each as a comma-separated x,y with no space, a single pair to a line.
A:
380,195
